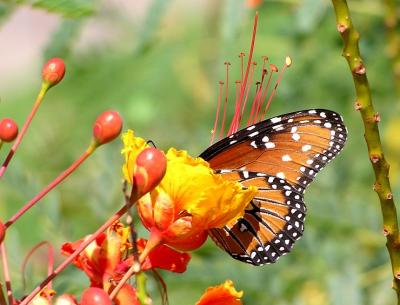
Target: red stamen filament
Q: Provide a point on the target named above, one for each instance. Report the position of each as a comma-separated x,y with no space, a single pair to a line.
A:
254,105
236,118
214,131
288,63
245,83
227,64
248,88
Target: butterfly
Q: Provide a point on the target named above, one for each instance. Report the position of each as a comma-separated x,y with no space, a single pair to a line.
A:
281,157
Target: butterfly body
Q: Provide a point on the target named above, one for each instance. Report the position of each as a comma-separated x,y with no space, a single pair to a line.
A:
280,156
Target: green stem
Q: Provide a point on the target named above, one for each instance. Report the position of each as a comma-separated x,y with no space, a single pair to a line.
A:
141,288
370,119
393,38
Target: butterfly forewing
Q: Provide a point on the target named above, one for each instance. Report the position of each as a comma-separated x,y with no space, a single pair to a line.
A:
280,156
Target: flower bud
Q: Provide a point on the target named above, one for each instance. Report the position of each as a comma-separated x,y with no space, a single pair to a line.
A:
66,299
8,130
95,296
107,127
150,168
2,231
53,71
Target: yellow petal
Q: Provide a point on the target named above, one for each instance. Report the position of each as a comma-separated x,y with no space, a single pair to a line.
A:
132,147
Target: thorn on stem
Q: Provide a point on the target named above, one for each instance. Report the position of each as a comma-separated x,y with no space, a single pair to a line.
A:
360,69
376,186
375,158
377,117
389,196
385,232
397,275
357,105
342,27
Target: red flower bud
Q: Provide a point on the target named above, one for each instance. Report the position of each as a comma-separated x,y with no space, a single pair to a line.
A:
8,130
2,231
95,296
150,168
53,71
107,127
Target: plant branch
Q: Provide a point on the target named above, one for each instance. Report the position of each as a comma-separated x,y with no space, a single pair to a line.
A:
370,119
6,273
393,38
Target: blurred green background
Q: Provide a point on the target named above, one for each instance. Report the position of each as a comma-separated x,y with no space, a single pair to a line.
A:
158,63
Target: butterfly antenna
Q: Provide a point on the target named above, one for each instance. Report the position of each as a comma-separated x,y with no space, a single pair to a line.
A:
214,131
288,63
150,142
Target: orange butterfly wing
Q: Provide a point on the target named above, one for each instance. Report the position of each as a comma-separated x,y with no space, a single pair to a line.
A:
281,156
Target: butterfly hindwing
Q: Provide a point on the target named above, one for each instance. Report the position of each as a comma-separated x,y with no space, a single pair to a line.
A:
272,222
281,156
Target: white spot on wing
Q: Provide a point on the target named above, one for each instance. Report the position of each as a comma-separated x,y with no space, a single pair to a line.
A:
265,139
269,145
286,158
306,147
276,120
296,136
280,175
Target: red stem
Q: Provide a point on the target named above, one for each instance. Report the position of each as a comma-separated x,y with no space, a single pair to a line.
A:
153,242
71,258
53,184
21,134
6,273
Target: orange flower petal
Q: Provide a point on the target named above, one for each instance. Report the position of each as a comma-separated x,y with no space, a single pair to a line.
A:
126,296
224,294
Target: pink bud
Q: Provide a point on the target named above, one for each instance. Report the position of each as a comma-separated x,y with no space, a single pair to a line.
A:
8,130
107,127
150,168
53,71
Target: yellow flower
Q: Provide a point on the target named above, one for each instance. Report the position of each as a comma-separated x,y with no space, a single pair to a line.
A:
132,147
224,294
190,199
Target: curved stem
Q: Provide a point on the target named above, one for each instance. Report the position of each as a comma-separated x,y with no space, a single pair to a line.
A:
21,134
71,258
370,119
6,273
52,184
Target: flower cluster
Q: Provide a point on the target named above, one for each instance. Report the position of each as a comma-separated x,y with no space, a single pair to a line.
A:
178,198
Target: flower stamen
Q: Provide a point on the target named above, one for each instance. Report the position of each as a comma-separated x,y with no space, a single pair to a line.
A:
242,89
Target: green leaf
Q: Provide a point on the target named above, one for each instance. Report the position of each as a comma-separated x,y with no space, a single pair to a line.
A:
67,8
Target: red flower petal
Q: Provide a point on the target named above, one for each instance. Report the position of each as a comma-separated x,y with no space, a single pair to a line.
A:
165,258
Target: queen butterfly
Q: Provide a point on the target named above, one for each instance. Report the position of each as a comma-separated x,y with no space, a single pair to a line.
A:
280,156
